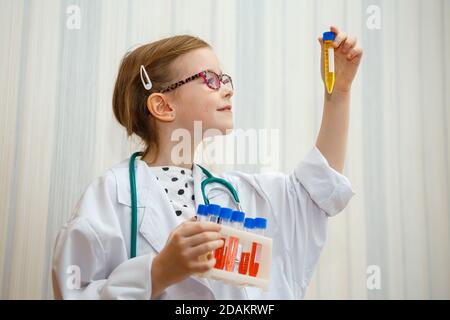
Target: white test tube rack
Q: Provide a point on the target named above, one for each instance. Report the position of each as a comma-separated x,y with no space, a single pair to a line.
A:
261,280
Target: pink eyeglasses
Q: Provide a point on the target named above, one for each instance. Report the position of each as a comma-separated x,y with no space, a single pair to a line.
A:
210,78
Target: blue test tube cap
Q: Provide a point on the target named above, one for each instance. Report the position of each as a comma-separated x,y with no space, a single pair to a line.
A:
225,213
213,209
329,35
249,223
201,210
260,223
237,216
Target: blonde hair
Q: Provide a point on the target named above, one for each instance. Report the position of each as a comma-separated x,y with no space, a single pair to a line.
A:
130,97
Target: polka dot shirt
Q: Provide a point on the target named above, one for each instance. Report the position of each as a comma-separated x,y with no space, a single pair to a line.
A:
178,183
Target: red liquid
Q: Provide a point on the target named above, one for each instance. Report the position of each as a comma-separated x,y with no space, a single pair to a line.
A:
254,265
219,255
230,255
243,264
253,269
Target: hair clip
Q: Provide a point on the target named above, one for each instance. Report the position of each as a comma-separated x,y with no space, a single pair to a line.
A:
147,84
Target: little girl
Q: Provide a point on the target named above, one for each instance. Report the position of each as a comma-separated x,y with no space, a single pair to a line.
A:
164,86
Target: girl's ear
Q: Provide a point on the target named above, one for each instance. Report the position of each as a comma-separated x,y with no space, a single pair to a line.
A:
158,105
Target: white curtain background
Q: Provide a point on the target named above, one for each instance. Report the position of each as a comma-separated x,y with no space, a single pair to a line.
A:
57,130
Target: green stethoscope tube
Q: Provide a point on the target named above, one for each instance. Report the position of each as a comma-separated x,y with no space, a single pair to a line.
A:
133,204
132,171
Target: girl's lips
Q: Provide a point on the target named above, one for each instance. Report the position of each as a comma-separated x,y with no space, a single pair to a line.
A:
225,111
225,108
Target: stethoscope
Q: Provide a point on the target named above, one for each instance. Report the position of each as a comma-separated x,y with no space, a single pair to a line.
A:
210,179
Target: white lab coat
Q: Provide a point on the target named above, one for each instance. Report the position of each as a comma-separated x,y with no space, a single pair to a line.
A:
96,239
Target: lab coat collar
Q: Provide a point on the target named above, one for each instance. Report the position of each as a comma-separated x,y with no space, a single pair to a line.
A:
159,217
147,186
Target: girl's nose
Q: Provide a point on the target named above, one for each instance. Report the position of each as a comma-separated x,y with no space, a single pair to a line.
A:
227,92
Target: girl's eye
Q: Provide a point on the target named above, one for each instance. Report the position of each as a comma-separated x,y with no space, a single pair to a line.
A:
211,80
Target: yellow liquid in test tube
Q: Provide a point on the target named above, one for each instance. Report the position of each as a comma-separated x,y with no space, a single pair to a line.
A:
328,51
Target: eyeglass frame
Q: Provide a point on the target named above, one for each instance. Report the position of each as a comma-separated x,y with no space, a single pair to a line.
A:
201,74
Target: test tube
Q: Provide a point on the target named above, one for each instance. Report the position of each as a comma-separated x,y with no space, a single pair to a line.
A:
213,211
202,214
231,249
220,253
328,51
260,225
237,219
237,222
225,216
246,247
